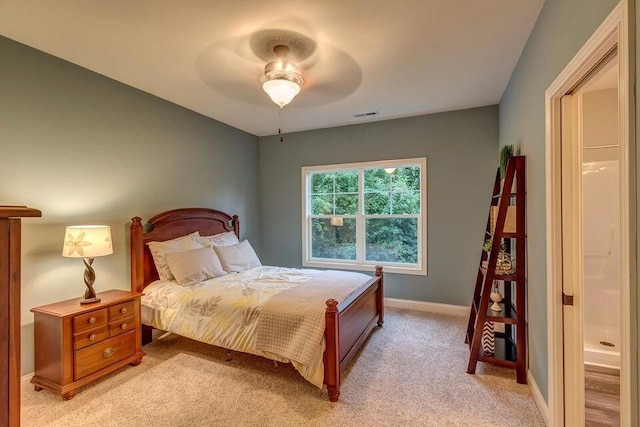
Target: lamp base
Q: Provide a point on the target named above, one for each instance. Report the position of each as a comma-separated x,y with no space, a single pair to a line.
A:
90,296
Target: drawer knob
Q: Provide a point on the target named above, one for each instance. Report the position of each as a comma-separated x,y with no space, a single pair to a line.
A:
92,337
92,320
123,326
108,352
123,310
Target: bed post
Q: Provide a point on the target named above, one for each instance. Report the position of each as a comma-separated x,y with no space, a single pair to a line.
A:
236,225
380,295
137,269
137,248
332,353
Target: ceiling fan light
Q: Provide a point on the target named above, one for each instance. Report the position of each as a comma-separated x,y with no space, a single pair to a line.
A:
281,91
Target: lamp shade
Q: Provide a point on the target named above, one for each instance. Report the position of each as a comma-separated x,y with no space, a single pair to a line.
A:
87,241
337,221
281,91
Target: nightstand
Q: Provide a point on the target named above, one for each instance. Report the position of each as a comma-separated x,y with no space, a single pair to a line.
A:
76,344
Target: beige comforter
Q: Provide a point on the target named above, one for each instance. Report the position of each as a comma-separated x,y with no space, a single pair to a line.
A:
292,323
225,311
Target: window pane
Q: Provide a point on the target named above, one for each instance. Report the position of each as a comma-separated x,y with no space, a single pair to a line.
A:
322,204
406,202
377,203
337,242
322,183
404,179
376,180
346,204
392,240
346,182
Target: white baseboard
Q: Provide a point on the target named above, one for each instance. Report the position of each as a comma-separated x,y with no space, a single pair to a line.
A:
431,307
26,378
537,397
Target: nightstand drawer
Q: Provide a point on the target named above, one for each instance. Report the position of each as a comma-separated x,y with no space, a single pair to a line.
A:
88,337
98,356
89,320
121,326
121,310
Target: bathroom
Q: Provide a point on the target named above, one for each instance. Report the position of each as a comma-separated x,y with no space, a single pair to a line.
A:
601,246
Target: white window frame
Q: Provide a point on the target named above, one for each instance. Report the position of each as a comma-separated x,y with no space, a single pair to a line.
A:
360,264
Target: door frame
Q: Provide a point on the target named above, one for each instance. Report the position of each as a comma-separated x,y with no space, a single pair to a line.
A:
614,31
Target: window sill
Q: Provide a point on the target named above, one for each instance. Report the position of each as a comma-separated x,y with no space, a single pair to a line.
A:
364,267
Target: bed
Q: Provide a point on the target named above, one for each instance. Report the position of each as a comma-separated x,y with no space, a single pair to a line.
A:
348,320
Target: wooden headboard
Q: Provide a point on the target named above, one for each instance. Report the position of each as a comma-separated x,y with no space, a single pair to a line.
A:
169,225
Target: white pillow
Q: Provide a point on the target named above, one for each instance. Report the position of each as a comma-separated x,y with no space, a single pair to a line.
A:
194,266
223,239
238,257
180,244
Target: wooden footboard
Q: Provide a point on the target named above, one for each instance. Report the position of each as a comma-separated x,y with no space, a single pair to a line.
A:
348,325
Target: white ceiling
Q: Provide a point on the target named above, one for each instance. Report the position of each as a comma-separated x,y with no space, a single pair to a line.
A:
401,58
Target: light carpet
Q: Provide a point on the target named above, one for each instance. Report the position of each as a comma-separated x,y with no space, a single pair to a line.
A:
410,372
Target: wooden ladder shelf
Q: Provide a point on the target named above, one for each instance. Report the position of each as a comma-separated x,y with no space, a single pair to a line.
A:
510,345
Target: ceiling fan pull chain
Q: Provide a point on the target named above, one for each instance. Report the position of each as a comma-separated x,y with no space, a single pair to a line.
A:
280,128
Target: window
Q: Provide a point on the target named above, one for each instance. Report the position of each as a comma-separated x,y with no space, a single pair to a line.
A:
359,215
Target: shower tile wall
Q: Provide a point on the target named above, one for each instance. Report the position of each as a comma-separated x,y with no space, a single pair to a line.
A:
601,201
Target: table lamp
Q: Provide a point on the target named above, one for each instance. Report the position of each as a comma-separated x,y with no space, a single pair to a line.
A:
87,242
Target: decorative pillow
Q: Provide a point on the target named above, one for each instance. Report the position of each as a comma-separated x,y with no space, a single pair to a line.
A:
238,257
194,266
223,239
180,244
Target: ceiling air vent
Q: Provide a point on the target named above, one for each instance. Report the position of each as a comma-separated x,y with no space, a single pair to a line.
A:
372,113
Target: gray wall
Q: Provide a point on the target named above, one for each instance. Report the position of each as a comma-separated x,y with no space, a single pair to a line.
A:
86,149
460,147
557,36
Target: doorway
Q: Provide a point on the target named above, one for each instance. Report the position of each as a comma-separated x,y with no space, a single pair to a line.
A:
591,226
590,223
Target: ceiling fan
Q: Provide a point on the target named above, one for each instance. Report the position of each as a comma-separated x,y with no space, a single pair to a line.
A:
283,78
282,61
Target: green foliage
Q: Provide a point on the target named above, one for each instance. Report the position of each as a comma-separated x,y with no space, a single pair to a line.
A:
334,193
505,153
377,203
489,242
406,203
346,182
333,242
388,239
396,193
392,240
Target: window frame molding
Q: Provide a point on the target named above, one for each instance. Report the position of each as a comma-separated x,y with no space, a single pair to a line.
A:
360,264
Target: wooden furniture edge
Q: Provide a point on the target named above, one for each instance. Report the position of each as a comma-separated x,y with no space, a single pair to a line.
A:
333,364
10,255
48,309
19,212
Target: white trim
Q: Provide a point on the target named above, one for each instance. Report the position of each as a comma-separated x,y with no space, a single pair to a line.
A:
347,265
538,398
360,264
612,32
431,307
26,378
